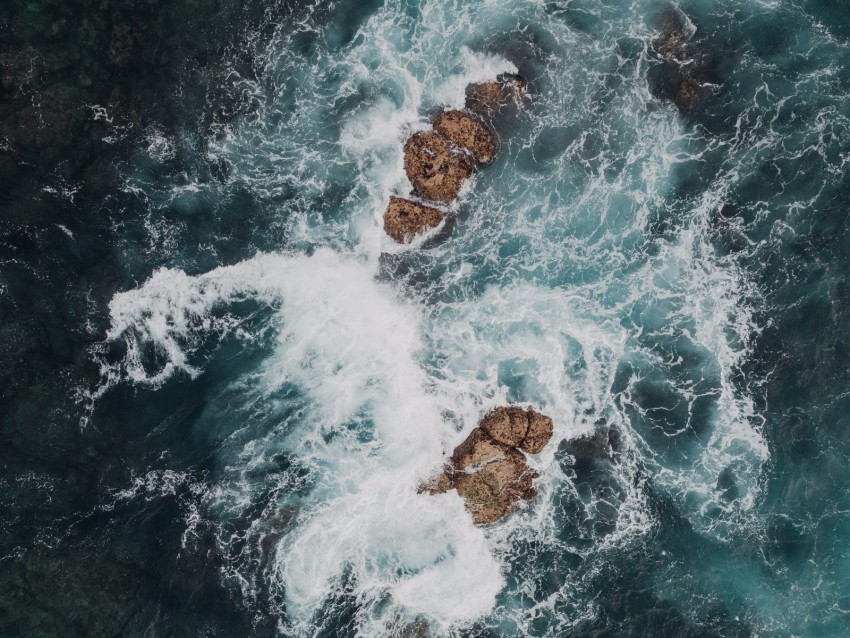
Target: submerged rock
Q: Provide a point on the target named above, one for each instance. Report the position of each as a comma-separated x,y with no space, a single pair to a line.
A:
488,470
416,629
470,132
685,74
674,36
435,166
405,219
489,98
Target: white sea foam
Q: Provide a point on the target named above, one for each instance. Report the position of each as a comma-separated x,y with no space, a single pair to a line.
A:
386,387
352,349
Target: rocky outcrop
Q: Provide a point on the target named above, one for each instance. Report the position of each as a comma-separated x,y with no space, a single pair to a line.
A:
435,167
488,470
488,99
469,132
438,162
405,219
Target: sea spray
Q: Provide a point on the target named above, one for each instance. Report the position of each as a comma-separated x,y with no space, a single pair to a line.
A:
581,274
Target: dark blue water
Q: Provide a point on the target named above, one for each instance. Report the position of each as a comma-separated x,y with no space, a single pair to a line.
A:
254,378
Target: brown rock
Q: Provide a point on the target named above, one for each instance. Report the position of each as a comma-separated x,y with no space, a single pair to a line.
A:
436,167
477,449
490,475
488,98
439,484
405,219
470,132
507,425
540,430
495,489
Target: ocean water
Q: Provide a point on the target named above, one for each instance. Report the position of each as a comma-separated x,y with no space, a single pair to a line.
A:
276,376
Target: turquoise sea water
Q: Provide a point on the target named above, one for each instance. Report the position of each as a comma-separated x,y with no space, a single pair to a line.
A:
276,375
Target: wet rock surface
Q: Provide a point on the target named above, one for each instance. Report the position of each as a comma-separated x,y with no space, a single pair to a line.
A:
540,428
470,132
435,167
514,426
507,425
406,219
488,99
492,476
438,162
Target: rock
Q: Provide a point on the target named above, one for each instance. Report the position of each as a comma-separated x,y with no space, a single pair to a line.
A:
405,219
603,443
492,476
416,629
540,430
470,132
489,98
439,484
507,425
435,166
478,449
495,489
685,75
674,36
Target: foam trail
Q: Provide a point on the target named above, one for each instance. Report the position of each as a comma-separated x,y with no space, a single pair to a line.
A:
555,280
372,433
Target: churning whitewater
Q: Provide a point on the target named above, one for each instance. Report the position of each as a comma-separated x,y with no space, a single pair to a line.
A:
583,273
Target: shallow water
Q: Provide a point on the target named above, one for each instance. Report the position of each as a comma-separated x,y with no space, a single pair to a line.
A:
280,375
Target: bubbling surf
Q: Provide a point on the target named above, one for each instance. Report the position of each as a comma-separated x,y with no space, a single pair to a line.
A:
571,277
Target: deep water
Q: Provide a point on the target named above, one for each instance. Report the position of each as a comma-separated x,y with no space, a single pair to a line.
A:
222,383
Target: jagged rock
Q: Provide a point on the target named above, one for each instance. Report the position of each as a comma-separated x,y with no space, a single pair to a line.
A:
525,429
491,475
507,425
435,166
478,448
488,98
540,428
405,219
439,484
495,490
470,132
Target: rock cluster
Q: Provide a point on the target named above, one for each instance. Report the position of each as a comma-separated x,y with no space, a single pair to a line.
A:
438,162
489,470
